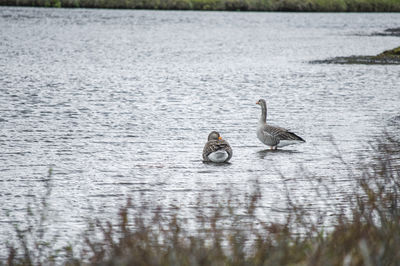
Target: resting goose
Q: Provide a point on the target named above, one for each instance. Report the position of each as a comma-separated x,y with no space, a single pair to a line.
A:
216,149
271,135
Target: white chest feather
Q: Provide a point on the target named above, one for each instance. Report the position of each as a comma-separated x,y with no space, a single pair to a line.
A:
219,156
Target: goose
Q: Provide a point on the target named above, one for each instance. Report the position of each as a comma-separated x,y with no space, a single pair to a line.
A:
216,149
273,136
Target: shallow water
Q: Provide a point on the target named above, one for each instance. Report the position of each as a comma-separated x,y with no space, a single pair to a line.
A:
119,104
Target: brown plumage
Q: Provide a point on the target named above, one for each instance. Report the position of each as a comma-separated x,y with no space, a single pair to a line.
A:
216,149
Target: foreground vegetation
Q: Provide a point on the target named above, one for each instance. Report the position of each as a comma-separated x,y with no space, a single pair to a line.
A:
367,233
230,5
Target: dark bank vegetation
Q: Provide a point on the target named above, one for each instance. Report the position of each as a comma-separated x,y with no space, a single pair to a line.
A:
389,57
367,233
388,32
228,5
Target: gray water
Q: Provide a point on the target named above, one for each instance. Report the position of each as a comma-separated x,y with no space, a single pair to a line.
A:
119,104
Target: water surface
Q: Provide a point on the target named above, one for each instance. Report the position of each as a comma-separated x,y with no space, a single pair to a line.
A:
119,104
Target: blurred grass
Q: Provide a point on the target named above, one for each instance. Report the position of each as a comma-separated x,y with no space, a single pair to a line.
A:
228,5
367,233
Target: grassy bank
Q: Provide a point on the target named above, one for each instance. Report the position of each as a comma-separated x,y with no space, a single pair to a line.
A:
229,5
389,57
367,233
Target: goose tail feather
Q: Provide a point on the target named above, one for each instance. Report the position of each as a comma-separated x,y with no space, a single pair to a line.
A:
295,137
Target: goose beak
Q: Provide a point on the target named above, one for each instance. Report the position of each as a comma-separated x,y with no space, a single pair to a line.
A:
258,102
219,138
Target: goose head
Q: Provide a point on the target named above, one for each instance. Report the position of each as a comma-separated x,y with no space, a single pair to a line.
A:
262,103
214,135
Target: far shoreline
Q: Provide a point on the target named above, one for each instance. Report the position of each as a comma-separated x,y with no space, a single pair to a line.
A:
198,10
311,6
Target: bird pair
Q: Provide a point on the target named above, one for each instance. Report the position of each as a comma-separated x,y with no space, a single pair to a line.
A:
219,151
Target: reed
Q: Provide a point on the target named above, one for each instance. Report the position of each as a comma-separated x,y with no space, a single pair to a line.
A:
367,233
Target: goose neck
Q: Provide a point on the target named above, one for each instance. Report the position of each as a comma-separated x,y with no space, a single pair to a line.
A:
263,118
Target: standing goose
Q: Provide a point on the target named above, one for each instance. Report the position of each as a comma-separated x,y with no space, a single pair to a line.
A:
271,135
216,149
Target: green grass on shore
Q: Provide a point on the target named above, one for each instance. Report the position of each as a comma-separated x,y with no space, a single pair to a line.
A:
230,232
228,5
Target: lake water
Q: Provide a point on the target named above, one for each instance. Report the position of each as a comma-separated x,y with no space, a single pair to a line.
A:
119,104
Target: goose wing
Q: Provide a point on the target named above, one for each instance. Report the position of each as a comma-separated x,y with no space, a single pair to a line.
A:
280,133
